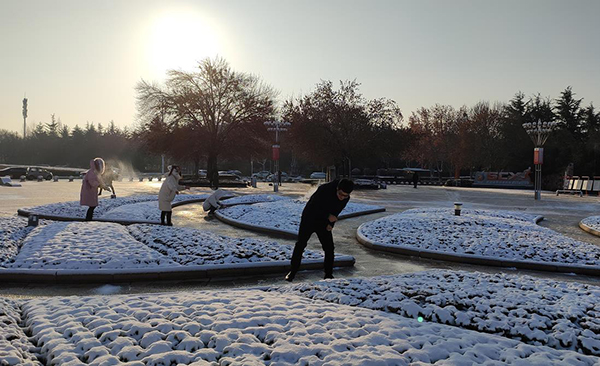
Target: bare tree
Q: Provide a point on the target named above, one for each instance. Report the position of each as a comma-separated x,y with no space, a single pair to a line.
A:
214,103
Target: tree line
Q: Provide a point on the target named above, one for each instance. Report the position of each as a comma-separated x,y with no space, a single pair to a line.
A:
213,118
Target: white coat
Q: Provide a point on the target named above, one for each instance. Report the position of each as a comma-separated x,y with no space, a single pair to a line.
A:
168,190
213,199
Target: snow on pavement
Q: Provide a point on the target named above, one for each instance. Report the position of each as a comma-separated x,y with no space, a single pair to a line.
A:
535,311
494,234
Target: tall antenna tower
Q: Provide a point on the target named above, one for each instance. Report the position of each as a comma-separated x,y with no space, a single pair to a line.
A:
24,117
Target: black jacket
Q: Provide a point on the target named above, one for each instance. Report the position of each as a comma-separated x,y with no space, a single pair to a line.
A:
322,203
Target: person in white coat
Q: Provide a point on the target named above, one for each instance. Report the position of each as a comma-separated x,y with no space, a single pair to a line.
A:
211,204
166,195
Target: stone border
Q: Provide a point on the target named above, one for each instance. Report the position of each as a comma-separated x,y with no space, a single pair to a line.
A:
478,260
588,229
162,274
284,233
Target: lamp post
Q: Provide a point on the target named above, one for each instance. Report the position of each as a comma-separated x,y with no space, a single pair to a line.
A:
539,132
24,117
277,126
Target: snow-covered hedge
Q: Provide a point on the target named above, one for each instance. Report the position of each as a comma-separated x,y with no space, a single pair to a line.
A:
13,231
592,222
107,246
15,347
106,205
283,215
252,198
494,234
253,327
85,246
194,247
535,311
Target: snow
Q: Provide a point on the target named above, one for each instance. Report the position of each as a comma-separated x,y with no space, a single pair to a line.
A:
592,222
495,234
251,199
282,215
538,311
143,207
193,247
84,246
13,231
313,324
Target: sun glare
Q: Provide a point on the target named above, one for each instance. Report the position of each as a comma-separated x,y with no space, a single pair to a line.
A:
179,39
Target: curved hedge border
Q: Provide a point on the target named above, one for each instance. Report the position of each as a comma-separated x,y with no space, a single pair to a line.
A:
478,260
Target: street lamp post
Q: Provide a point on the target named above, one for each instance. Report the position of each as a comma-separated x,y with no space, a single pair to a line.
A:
539,132
277,126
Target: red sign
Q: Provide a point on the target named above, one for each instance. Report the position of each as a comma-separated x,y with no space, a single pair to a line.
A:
538,155
275,152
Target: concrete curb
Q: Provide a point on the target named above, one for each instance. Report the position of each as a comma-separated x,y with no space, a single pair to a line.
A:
478,260
589,229
170,273
283,233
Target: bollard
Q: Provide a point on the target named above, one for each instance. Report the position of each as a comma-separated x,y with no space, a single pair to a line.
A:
40,178
141,179
149,179
32,220
71,178
159,179
22,178
55,178
275,187
457,208
131,179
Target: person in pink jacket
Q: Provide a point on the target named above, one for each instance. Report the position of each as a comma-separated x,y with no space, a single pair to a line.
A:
89,186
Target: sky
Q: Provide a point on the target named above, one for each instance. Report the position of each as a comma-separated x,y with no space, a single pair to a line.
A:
81,59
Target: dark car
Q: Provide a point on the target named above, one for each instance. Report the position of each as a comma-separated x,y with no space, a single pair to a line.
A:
34,172
13,172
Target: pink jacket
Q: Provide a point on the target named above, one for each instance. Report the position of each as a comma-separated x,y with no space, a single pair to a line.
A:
91,182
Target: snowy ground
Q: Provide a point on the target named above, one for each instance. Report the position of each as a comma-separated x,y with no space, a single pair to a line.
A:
531,310
592,222
251,199
494,234
311,324
99,245
282,215
138,207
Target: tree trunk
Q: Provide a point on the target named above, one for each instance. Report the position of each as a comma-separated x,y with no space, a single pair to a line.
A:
212,171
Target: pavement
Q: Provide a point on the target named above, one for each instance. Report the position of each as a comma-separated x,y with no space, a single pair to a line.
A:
562,214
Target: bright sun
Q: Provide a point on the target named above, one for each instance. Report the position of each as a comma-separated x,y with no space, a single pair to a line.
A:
179,39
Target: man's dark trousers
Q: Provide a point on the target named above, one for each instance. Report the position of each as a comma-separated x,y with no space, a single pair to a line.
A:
325,237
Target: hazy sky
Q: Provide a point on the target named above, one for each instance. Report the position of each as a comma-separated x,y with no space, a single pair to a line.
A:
81,59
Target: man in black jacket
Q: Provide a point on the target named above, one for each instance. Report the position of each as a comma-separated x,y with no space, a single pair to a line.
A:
319,216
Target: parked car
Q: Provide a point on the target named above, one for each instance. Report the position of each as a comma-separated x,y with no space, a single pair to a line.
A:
262,175
34,172
273,177
13,172
202,173
318,175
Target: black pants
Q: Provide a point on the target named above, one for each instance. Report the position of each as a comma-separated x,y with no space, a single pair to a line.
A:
307,228
90,213
167,215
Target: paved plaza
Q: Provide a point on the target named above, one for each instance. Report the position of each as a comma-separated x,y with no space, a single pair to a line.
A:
561,213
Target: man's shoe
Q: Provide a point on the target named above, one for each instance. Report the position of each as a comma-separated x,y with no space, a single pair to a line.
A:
290,276
328,277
